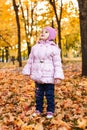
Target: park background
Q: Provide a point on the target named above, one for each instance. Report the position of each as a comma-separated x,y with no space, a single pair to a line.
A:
21,30
21,22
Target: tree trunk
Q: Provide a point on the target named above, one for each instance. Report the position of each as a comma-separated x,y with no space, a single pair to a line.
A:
58,19
26,25
3,55
83,29
18,27
7,53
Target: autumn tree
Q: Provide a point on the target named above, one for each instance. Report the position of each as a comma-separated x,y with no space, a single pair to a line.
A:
83,28
70,30
19,32
5,31
26,22
58,18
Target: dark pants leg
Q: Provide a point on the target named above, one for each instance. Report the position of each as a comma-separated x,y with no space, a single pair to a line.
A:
50,97
39,96
48,89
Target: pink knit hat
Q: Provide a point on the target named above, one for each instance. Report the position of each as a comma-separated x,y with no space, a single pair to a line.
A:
52,33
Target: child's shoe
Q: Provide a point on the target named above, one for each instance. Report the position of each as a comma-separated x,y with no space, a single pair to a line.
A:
49,115
36,113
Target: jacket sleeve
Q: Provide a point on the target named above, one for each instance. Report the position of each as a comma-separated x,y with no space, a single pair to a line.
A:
27,68
58,70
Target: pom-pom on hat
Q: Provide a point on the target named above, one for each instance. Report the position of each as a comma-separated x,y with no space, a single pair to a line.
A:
52,33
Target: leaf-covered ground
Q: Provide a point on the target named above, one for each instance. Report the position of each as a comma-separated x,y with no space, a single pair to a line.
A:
17,101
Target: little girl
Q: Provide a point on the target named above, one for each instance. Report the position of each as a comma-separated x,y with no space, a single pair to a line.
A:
45,68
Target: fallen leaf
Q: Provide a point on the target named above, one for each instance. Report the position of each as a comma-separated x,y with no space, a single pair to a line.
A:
82,123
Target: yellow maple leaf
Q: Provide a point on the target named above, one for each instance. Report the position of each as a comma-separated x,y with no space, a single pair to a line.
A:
29,127
39,126
82,123
18,122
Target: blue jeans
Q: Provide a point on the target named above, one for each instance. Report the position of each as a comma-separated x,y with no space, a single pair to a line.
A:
48,91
